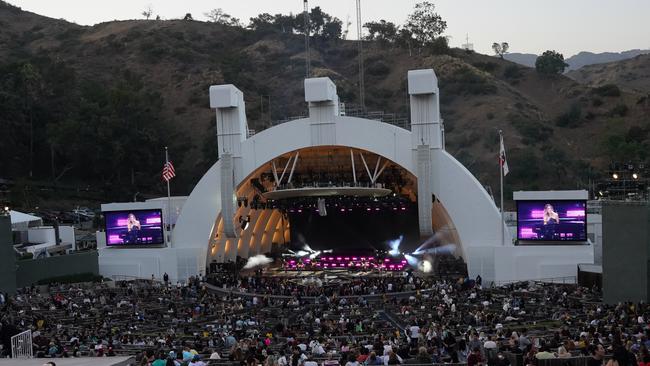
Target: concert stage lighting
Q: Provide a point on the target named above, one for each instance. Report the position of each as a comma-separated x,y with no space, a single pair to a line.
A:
615,176
244,222
635,176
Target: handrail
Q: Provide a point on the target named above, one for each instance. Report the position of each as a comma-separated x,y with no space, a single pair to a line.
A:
569,280
21,345
369,297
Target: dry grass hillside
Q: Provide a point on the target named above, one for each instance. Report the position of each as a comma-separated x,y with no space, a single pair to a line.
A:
558,132
632,74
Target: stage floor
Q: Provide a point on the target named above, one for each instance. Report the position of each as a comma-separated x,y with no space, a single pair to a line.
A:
83,361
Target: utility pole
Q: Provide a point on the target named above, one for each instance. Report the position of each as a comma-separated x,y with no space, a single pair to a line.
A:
307,31
362,102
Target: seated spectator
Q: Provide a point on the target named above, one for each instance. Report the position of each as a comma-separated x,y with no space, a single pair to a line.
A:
475,358
544,353
392,359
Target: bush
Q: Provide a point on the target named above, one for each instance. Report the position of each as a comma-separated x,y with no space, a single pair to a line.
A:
597,102
531,132
619,110
512,72
570,118
465,81
608,90
487,66
378,69
440,46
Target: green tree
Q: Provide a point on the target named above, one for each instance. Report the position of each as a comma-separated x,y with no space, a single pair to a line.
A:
220,17
500,49
550,63
284,22
321,24
382,31
405,39
317,20
332,29
263,22
147,12
425,24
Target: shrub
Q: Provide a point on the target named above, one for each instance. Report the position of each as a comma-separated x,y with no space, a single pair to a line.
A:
512,72
487,66
440,46
597,102
465,81
619,110
607,90
378,68
570,118
531,132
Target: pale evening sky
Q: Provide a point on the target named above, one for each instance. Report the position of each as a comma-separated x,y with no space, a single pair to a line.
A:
530,26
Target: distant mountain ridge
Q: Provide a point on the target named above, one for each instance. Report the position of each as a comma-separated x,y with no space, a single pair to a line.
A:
96,96
583,58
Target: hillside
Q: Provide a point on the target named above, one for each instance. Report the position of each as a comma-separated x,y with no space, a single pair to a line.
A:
108,98
632,74
580,59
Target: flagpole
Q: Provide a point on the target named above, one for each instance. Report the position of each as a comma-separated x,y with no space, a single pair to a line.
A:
501,164
169,202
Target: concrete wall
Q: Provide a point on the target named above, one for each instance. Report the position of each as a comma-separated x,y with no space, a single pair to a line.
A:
7,257
178,263
626,240
595,234
42,235
530,262
33,270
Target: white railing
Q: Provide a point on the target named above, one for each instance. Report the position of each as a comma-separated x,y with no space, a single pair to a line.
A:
21,345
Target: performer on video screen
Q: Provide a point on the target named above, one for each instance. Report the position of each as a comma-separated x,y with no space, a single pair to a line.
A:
550,214
550,219
133,228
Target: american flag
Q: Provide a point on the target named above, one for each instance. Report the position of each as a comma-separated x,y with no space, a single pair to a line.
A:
168,171
502,158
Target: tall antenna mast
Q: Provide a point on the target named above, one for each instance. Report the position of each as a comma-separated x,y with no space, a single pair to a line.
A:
362,101
307,53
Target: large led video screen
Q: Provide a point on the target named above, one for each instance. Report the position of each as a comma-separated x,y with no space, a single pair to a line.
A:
552,220
134,227
354,231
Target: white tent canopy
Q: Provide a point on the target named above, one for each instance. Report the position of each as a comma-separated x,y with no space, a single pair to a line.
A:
21,221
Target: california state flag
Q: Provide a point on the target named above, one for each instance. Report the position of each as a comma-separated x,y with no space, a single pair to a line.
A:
502,158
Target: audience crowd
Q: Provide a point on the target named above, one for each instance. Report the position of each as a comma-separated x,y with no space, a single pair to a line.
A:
329,322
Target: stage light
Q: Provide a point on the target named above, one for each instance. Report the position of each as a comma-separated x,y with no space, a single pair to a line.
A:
615,176
635,176
243,223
